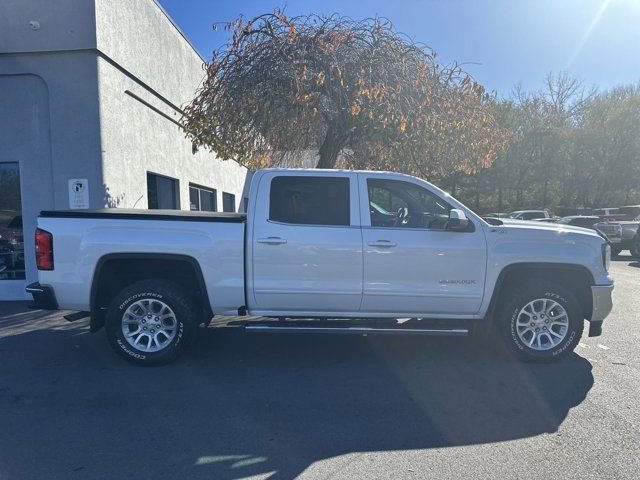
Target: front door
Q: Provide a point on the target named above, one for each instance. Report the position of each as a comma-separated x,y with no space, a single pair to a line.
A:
307,244
412,264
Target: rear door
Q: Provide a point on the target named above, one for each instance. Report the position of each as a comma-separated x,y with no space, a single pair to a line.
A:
306,243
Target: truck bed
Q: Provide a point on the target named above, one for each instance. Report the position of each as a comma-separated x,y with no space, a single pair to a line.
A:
84,240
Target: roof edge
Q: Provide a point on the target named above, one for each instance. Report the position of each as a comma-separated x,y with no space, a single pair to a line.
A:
175,25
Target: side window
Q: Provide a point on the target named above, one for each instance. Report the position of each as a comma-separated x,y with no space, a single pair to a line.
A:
202,198
394,203
162,192
310,200
228,202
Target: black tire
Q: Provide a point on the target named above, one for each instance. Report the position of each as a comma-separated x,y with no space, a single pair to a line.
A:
615,251
516,299
635,248
184,321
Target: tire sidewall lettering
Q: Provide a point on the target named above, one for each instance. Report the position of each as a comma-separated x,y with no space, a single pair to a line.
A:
128,351
137,354
558,350
124,305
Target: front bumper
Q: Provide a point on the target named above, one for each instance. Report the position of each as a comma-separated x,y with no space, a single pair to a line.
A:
43,296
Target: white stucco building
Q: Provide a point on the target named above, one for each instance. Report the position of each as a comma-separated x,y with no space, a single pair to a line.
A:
90,96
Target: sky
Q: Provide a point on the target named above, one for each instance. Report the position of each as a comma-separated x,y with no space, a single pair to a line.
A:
501,43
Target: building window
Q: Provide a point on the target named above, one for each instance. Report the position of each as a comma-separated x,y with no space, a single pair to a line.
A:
162,192
228,202
310,200
11,237
202,198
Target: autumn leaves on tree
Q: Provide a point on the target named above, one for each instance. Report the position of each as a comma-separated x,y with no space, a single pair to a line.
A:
358,93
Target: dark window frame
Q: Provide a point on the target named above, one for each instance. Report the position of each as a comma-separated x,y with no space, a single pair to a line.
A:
225,196
200,188
176,191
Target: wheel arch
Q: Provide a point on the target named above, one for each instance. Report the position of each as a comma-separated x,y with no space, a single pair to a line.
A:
576,278
185,269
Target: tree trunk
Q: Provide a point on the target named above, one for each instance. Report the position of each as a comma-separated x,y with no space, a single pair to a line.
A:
333,143
454,184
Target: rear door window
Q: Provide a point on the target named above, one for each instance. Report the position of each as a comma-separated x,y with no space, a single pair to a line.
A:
310,200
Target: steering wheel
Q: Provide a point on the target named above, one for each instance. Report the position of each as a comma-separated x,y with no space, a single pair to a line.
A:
402,216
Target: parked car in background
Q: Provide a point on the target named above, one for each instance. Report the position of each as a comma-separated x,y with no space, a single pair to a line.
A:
529,214
580,221
497,215
613,232
572,211
635,247
629,236
631,212
547,220
608,214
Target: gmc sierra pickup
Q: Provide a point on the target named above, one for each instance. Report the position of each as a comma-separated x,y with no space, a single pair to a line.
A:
325,251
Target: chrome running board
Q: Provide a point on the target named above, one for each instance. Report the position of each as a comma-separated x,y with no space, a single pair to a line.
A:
358,330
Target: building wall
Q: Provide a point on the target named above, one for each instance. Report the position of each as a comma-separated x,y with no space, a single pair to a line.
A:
143,82
140,37
49,125
137,139
94,92
64,25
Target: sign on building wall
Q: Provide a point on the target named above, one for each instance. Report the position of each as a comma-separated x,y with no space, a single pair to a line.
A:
78,193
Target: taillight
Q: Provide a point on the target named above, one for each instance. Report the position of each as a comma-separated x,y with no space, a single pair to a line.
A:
44,250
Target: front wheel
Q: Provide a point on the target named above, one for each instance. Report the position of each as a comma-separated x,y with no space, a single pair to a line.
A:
151,321
540,322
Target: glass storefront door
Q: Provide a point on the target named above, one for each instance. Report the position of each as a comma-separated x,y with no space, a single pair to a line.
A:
11,235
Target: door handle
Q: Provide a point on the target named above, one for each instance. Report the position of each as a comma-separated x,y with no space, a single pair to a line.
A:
382,244
272,241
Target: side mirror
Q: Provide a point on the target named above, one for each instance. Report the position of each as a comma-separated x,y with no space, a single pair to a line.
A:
458,221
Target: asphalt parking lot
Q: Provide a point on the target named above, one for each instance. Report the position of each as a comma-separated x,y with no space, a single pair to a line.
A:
343,407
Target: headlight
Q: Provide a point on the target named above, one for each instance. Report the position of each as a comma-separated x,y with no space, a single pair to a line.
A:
606,256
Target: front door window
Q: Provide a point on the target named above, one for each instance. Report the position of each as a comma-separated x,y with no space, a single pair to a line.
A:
394,203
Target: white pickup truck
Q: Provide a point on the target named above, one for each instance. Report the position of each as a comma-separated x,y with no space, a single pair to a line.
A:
325,251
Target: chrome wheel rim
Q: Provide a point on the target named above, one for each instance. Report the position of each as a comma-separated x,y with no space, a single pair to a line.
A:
149,325
542,324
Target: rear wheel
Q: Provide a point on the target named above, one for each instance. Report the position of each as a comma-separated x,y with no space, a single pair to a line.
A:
540,322
151,321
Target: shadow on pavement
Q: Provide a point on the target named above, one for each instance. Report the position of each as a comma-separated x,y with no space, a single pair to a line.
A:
242,405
